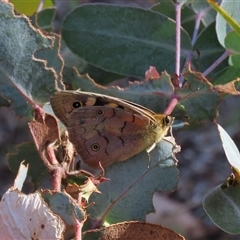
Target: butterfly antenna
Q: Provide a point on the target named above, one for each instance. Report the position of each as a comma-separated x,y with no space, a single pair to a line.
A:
196,89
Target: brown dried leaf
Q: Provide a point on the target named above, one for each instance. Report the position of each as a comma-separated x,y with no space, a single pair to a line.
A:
67,149
228,88
86,189
152,73
197,77
45,132
134,230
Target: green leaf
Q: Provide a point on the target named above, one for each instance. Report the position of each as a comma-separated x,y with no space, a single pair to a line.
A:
232,42
188,17
201,105
225,214
99,75
124,40
199,99
227,74
230,148
227,18
128,194
153,94
27,151
64,206
45,19
203,9
53,60
209,51
166,8
223,207
24,79
4,102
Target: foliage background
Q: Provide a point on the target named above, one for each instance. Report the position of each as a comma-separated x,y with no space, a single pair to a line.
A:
202,162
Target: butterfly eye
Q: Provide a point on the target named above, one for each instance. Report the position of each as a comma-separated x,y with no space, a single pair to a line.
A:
95,147
167,120
77,104
100,112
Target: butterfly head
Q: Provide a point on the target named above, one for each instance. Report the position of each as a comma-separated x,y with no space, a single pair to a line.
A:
163,122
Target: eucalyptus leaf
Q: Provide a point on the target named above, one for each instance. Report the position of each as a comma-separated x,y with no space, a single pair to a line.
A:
199,100
226,75
223,207
153,94
62,204
230,148
228,19
232,43
188,16
209,50
23,77
128,194
124,40
45,19
205,10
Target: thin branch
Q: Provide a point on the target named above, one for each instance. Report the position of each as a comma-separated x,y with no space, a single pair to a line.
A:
178,7
196,27
173,102
78,229
217,62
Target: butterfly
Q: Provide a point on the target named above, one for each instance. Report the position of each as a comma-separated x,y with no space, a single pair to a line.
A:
106,129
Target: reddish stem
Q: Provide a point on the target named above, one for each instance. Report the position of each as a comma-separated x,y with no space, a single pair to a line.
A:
57,175
78,229
51,155
172,105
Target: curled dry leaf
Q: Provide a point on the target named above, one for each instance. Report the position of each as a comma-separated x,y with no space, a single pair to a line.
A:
228,88
83,183
45,132
152,73
132,230
28,217
86,189
198,76
68,150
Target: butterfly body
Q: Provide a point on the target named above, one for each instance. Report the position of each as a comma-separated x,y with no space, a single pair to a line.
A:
107,129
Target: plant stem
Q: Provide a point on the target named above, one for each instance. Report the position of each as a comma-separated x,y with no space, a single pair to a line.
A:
178,7
217,62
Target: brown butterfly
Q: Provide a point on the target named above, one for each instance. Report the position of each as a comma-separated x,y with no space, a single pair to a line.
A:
106,129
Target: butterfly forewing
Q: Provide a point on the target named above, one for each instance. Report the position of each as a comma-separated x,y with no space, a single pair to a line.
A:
63,103
115,135
107,129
